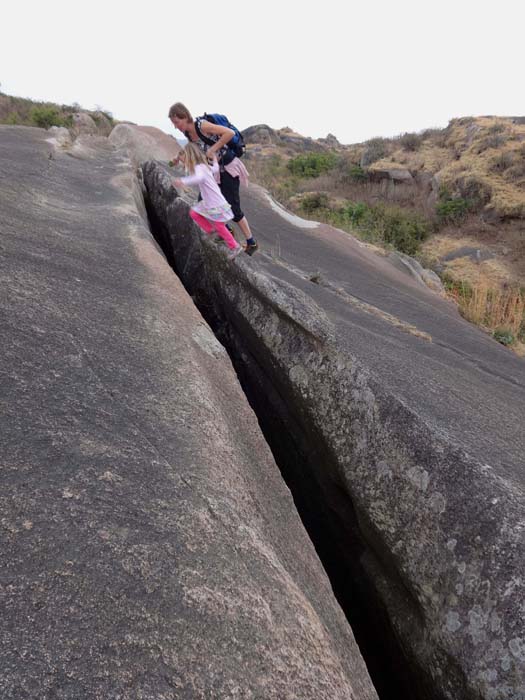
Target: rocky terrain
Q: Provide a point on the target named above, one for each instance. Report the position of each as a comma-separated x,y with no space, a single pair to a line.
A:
150,548
185,523
460,191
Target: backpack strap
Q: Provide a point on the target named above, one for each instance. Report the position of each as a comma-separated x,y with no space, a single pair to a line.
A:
206,139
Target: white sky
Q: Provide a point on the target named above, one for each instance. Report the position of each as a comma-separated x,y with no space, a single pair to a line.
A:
354,69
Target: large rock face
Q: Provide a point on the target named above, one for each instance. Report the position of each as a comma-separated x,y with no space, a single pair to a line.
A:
150,548
436,532
144,142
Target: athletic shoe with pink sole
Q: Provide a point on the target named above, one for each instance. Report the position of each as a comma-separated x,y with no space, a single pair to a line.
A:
234,252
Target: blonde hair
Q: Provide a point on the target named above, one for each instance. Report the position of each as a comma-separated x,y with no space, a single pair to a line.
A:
193,156
181,111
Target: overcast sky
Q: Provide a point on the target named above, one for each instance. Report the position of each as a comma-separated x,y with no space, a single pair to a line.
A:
356,70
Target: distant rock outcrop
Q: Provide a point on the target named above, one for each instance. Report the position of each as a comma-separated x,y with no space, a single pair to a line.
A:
286,139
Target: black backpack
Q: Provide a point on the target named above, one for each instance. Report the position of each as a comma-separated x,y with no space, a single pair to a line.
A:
235,148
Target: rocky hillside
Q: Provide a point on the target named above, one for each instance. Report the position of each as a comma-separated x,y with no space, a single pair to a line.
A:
25,112
453,197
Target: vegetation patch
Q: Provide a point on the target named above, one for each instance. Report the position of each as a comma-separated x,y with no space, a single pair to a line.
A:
392,226
25,112
499,310
451,210
312,164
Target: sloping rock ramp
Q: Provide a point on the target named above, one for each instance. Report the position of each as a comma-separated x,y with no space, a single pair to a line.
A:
149,548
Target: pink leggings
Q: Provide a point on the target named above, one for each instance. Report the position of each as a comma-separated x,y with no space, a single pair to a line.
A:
208,226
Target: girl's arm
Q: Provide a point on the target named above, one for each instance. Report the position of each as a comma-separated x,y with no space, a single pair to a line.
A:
223,132
198,176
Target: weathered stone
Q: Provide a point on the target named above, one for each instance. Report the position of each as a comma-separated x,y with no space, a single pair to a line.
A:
149,546
143,143
60,136
440,529
261,133
83,123
397,175
408,264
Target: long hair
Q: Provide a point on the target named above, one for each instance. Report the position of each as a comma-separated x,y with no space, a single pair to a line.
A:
181,111
193,155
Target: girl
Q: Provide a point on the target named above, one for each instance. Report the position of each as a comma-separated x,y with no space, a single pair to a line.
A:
213,210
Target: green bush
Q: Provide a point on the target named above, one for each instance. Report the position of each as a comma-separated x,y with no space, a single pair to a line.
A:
503,336
399,228
356,212
392,225
313,201
46,116
13,118
452,210
356,173
312,164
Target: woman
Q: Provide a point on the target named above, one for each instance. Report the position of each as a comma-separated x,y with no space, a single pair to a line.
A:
232,172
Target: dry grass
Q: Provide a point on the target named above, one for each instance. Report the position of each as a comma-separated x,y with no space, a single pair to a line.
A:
495,309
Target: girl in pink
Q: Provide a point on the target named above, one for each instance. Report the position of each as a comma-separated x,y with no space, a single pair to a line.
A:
213,210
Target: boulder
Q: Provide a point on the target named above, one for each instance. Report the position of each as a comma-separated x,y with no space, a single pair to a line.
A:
330,141
397,175
60,136
103,123
261,134
142,143
83,123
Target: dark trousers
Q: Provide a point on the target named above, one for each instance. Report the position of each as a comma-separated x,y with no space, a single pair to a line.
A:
230,191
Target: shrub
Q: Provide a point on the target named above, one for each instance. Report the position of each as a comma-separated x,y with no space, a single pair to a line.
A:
452,210
356,173
312,164
313,201
502,161
516,172
46,116
503,336
401,229
474,190
376,149
494,140
392,225
410,142
13,118
496,128
356,212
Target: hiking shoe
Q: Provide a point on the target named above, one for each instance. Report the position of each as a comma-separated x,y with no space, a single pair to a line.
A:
234,252
250,249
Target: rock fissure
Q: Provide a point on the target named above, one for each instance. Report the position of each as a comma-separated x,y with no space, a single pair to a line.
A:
322,501
370,479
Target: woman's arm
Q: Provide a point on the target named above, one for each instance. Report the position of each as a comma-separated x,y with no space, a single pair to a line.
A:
226,134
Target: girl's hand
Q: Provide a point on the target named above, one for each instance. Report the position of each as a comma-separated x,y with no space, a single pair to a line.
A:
177,182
